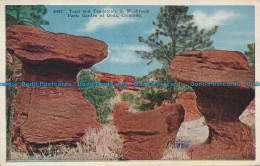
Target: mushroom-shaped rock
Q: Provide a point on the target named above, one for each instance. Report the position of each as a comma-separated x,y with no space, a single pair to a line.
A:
222,96
147,135
49,105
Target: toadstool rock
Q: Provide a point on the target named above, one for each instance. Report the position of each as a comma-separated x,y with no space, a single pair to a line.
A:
53,110
221,105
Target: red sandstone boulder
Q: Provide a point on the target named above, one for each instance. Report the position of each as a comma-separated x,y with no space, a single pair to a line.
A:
106,77
189,103
221,105
146,135
50,114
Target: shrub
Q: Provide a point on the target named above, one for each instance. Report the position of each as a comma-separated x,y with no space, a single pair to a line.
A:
184,88
105,142
99,96
128,96
151,96
155,95
98,144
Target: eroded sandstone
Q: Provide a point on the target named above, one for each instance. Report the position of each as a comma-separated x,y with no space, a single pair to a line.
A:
148,135
189,102
51,114
220,105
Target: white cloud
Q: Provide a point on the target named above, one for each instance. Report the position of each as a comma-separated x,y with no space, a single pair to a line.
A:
125,53
218,18
106,22
138,47
150,31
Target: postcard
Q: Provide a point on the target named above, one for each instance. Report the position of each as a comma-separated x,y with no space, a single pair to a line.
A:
116,83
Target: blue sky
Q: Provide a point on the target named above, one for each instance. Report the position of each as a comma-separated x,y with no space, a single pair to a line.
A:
236,30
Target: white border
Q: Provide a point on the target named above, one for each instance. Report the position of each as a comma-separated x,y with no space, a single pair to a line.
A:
256,3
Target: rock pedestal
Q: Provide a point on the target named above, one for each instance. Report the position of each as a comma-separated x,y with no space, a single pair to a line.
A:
51,109
221,103
147,135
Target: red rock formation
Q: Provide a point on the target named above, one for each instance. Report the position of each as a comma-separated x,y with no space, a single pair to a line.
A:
51,114
221,105
106,77
146,135
189,103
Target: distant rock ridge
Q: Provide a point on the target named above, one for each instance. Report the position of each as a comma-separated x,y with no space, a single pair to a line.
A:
106,77
51,114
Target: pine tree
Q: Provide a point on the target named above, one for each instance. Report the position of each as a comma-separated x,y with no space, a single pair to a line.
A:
250,54
26,15
175,33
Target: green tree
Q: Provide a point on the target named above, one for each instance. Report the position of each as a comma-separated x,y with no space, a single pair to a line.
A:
26,15
154,95
99,96
250,54
175,33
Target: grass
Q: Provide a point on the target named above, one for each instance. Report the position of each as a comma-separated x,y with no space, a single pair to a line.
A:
176,154
98,144
106,144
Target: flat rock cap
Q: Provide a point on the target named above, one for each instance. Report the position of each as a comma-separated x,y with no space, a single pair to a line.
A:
211,66
34,46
